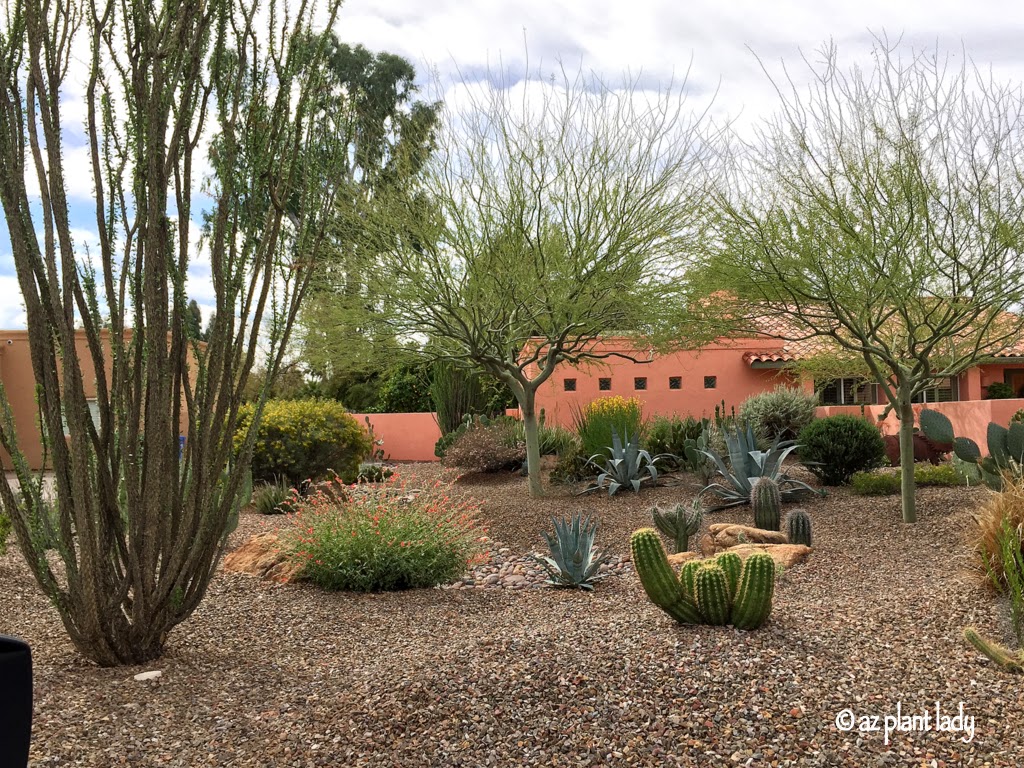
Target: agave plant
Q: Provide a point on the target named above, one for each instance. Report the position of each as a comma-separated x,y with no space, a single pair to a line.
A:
574,562
627,465
748,465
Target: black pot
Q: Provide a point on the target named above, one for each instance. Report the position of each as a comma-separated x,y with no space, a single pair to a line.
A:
15,702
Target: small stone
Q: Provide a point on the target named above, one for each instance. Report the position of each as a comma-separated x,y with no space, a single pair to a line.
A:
142,676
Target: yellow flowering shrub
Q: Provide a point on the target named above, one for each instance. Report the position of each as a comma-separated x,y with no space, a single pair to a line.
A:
304,439
596,420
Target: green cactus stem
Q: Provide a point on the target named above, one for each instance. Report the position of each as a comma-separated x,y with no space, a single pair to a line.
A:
1001,655
659,580
679,523
766,499
798,527
732,565
753,602
713,594
687,577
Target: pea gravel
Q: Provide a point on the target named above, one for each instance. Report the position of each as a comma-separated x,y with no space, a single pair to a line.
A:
272,675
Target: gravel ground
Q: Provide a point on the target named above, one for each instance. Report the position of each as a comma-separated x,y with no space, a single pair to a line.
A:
271,675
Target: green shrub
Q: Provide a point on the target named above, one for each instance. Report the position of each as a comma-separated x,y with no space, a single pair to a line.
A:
491,447
668,435
5,531
596,422
781,413
572,466
300,440
875,483
554,441
386,537
999,390
941,475
406,389
273,498
837,447
374,473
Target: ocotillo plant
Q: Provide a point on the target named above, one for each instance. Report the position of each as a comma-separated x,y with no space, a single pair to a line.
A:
679,523
766,499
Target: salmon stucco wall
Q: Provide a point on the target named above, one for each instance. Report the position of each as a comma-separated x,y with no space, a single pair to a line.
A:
734,381
404,436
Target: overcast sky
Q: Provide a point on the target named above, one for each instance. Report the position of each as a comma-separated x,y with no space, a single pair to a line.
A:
717,41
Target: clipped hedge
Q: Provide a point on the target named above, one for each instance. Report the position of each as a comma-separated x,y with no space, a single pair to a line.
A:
302,440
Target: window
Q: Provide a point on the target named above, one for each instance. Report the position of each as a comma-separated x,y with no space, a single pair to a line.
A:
569,385
710,382
604,384
675,382
944,391
640,382
846,392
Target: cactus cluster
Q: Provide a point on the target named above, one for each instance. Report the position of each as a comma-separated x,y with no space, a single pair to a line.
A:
766,500
1004,657
798,527
721,590
1005,449
679,523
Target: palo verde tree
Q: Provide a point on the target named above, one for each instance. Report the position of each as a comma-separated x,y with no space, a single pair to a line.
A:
553,213
882,210
139,531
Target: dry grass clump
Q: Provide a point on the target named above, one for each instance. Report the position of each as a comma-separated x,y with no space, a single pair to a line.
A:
1000,528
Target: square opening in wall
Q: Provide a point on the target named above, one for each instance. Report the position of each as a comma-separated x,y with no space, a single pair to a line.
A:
710,382
675,382
604,384
640,382
569,385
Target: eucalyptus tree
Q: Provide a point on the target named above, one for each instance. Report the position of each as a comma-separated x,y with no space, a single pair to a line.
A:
139,530
882,211
553,213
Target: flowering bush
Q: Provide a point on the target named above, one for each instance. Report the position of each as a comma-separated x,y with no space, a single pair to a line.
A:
300,440
394,535
595,422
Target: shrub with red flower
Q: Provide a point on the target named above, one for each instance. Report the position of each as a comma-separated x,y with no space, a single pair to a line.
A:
400,534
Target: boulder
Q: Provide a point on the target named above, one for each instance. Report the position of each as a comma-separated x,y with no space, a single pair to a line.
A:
786,555
727,535
263,556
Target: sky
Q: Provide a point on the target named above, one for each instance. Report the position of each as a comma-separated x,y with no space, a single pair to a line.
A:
723,46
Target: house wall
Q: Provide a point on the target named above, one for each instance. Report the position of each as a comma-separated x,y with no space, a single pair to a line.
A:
970,418
994,373
735,381
405,436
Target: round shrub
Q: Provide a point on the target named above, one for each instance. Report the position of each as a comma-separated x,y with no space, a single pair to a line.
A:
301,440
781,413
836,447
493,447
398,534
999,390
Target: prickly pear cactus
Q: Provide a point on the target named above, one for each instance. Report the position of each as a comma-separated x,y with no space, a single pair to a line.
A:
798,527
766,499
753,602
713,600
659,580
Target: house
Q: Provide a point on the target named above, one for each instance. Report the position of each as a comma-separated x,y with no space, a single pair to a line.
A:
729,371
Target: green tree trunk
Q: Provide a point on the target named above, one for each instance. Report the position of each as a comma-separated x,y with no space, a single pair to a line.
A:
527,407
906,414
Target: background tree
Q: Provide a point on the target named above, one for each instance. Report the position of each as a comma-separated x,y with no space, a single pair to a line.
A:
553,213
139,531
194,320
371,105
883,211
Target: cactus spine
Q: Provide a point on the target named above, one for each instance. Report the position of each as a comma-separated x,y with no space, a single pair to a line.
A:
753,601
798,527
766,499
659,580
680,523
732,565
1004,657
713,595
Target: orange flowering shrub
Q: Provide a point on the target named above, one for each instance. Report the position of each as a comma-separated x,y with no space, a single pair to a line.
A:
398,534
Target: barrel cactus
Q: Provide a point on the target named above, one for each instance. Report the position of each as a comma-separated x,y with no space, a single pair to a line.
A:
753,602
766,499
798,527
659,580
716,591
679,523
